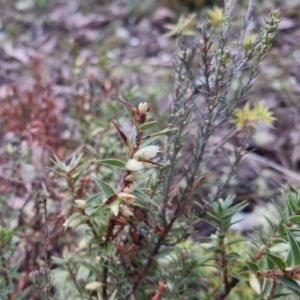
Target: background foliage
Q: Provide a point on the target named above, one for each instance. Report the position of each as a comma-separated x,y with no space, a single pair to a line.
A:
84,86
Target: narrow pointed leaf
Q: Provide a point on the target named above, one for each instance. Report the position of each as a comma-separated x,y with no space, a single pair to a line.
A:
165,131
266,289
147,125
133,136
105,188
59,163
126,104
95,270
122,136
289,282
271,225
116,163
294,247
294,219
237,240
276,260
148,141
289,259
280,295
113,296
71,219
144,197
254,268
57,173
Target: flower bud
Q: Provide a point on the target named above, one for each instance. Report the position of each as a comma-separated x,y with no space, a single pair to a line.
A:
134,165
137,176
80,203
128,198
126,211
143,107
129,187
147,152
93,286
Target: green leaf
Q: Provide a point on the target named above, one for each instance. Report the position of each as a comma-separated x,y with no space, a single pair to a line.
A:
266,289
289,259
278,241
71,219
270,263
289,282
105,188
271,225
116,163
214,217
241,275
280,228
294,219
59,260
165,131
144,197
279,295
113,296
147,125
294,247
94,200
279,248
79,170
276,260
254,268
165,252
147,141
61,165
95,270
133,135
232,256
237,240
75,161
57,173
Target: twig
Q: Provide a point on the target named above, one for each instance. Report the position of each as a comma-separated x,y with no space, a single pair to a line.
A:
46,243
161,288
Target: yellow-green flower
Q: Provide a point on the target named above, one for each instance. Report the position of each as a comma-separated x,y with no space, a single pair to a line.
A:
248,117
244,117
263,114
185,25
249,40
215,15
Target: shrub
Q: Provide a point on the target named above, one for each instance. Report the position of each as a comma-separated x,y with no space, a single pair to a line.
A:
122,223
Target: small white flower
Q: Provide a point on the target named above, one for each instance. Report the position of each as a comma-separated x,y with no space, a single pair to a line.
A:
137,176
115,209
147,152
126,211
128,198
129,187
93,286
80,203
143,107
134,165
